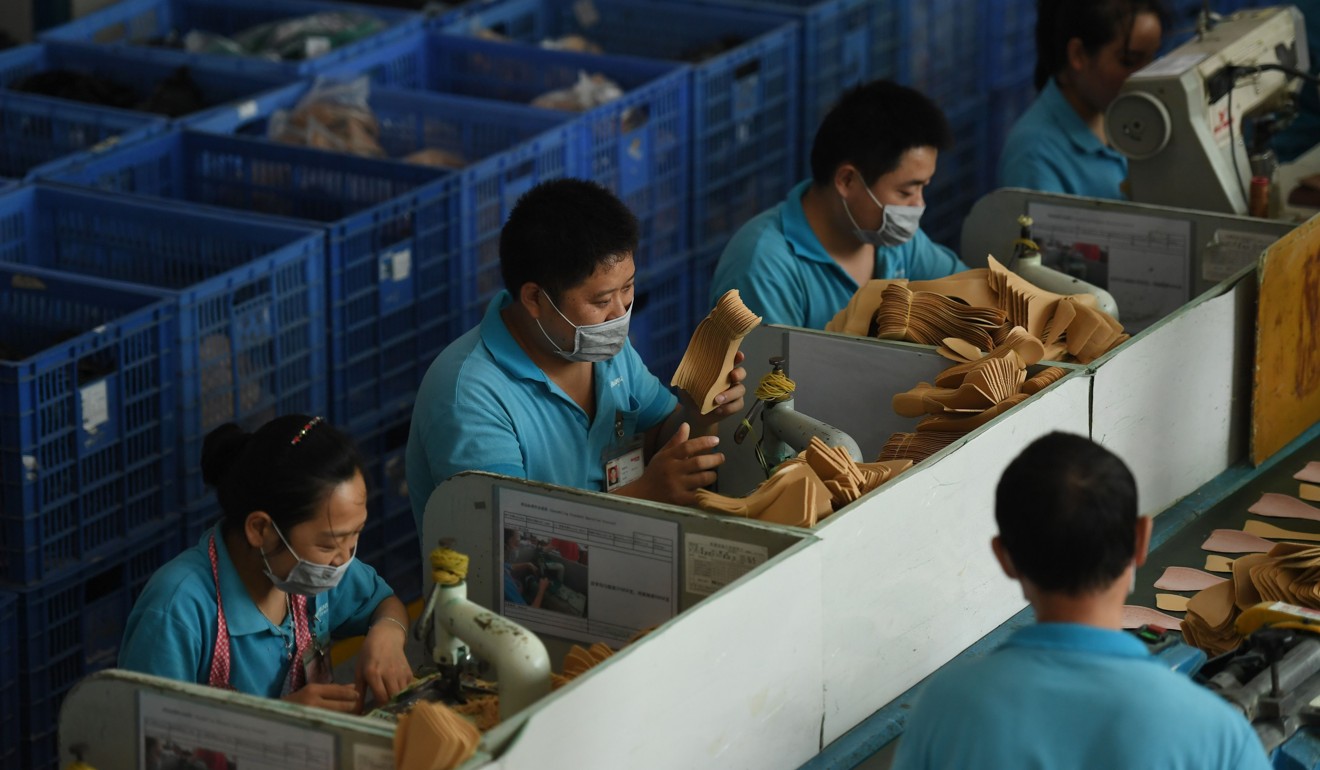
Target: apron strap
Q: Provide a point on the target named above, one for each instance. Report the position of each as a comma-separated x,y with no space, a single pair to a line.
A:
219,676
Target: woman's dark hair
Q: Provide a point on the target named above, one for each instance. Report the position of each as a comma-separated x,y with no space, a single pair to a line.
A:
286,468
1095,22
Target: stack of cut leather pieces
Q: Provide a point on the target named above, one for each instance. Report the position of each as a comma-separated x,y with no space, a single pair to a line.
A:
431,736
1073,324
579,660
804,490
928,317
704,370
967,395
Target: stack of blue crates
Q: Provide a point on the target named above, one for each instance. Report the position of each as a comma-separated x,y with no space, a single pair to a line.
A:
11,731
34,132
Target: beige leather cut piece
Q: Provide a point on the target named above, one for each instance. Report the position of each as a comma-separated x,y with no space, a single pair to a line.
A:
1280,506
1171,602
1186,579
708,361
1309,492
431,736
1216,563
1265,529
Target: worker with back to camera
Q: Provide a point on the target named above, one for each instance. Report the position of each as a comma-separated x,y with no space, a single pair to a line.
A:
857,218
1072,690
253,606
1085,51
547,387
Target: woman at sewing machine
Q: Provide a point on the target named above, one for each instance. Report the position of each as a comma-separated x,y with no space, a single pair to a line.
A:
1085,50
252,606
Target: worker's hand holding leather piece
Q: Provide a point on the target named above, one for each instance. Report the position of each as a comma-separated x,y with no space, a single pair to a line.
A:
681,467
335,697
730,401
382,666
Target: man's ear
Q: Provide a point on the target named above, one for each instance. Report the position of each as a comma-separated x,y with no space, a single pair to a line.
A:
1144,526
1077,56
843,177
529,296
1005,561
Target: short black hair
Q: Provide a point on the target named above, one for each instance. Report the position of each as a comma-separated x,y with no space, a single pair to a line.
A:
560,231
1067,514
1096,23
871,126
268,470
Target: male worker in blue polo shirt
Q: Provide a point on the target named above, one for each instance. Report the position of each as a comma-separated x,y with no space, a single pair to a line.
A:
547,387
857,218
1073,690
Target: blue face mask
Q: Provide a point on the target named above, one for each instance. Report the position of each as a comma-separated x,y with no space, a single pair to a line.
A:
592,342
307,578
898,224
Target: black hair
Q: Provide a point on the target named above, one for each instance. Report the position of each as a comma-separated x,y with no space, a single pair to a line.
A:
560,231
285,468
1096,23
871,126
1067,514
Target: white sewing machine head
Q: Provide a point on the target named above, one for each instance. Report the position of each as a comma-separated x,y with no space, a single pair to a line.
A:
1180,120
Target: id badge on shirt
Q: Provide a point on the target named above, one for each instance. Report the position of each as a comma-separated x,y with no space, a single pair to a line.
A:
623,459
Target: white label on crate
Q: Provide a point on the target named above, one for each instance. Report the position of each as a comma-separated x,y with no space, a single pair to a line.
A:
712,563
372,757
99,329
247,110
396,266
95,406
1230,251
317,46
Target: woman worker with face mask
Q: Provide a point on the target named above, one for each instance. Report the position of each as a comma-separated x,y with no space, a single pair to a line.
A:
857,218
254,604
1085,50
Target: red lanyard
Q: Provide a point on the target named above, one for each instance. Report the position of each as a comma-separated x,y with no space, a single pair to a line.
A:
220,654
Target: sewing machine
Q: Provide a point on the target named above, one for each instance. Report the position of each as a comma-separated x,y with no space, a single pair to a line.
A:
1180,120
785,432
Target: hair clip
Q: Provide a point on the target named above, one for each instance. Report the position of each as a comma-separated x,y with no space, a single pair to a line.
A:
310,424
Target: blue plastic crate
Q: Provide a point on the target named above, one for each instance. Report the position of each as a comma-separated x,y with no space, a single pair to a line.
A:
701,272
662,321
215,86
250,294
87,412
10,729
1009,43
72,627
635,145
745,93
943,43
390,235
509,147
389,542
960,179
1003,107
36,131
137,27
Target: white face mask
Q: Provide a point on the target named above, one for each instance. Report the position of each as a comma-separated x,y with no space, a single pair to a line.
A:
592,342
307,578
898,224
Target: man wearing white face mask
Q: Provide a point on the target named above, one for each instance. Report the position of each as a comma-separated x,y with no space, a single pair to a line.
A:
857,218
547,387
1073,690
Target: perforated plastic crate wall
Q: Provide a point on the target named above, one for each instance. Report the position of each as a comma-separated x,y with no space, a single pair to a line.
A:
1009,43
745,92
72,627
388,238
943,44
508,147
389,542
662,322
215,86
136,27
1003,107
960,178
636,145
88,438
250,293
34,132
10,729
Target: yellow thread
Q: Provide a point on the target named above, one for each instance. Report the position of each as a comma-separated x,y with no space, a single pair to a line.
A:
775,386
448,567
1030,244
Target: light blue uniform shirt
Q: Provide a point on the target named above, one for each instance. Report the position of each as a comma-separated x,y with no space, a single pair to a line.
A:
1051,149
1059,696
485,406
783,273
172,628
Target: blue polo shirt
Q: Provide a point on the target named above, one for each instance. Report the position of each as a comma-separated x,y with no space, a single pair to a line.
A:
1050,148
783,273
1060,695
483,405
172,628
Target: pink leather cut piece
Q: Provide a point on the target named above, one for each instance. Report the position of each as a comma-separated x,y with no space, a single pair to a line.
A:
1310,473
1235,541
1136,617
1186,579
1284,507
